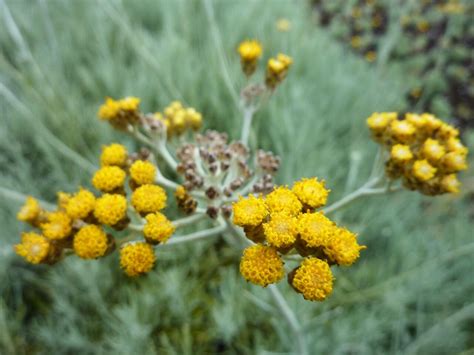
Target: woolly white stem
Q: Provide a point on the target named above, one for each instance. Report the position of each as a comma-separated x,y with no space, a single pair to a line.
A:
196,236
246,124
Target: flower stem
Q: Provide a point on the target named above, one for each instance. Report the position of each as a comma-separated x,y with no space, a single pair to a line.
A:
247,123
196,235
188,220
290,317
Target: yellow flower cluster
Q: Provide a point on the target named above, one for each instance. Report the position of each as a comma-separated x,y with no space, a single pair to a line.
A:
250,51
178,118
422,150
81,219
285,220
120,113
277,69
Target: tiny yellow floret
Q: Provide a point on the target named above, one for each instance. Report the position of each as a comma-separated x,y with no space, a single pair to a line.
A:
149,199
261,265
143,172
454,162
137,258
34,248
311,192
114,154
282,199
109,178
313,279
403,131
158,228
90,242
58,225
401,153
110,209
250,211
423,171
450,184
432,150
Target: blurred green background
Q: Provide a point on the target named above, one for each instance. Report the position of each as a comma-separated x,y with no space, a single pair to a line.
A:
410,293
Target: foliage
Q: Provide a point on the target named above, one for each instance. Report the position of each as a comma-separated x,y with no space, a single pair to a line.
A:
410,292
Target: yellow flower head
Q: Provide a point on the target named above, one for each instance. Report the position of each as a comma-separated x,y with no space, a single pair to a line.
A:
114,154
63,200
250,211
282,199
285,59
277,69
143,172
149,199
178,121
30,211
378,122
454,162
403,131
90,242
109,178
447,131
180,193
250,50
281,230
311,192
342,247
423,171
432,150
120,113
431,123
137,258
418,121
261,265
455,145
356,41
158,228
81,204
450,183
275,66
315,229
283,25
193,119
401,153
58,225
110,209
313,279
112,108
371,56
34,248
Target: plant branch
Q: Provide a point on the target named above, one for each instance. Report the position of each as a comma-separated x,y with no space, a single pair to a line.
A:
211,232
247,124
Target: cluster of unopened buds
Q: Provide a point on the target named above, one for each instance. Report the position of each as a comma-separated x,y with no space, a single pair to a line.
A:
230,187
420,149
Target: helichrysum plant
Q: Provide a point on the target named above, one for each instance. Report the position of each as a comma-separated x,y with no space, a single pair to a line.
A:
232,187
